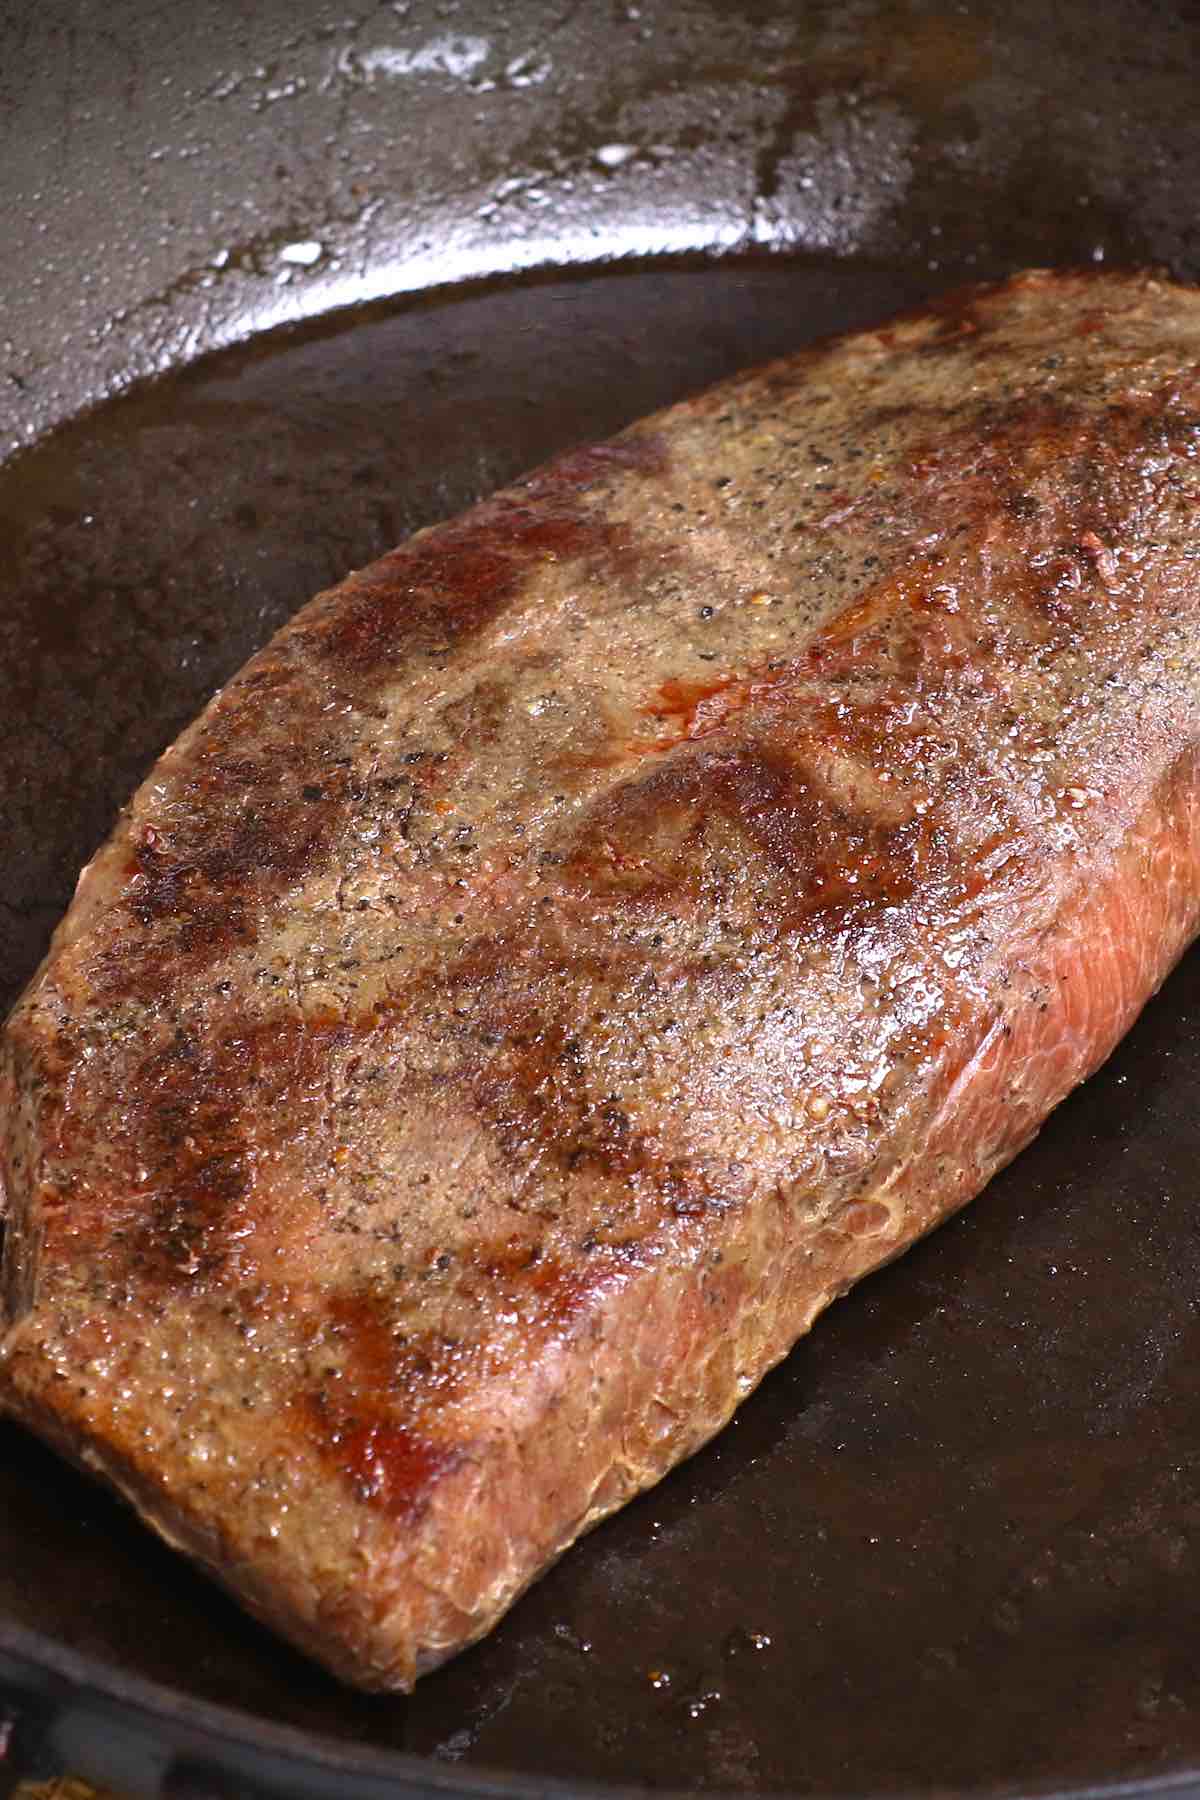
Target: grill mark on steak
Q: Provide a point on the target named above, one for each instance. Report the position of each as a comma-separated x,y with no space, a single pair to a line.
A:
350,1420
451,581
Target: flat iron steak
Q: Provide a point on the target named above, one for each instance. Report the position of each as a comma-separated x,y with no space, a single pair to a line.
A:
587,940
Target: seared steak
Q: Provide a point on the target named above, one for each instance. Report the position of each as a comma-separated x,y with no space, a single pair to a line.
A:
583,943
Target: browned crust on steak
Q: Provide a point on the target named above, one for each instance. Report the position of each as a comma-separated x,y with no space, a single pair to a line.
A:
586,941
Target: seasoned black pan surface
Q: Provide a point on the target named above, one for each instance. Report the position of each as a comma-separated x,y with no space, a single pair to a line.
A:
954,1542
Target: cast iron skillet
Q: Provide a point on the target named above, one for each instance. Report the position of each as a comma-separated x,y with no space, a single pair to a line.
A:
952,1543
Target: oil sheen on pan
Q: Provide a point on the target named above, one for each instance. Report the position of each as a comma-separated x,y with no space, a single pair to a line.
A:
588,939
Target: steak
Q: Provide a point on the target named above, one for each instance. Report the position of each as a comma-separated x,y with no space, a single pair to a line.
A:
586,941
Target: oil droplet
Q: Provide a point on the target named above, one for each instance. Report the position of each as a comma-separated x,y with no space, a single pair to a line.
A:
527,70
302,255
699,1703
613,156
744,1642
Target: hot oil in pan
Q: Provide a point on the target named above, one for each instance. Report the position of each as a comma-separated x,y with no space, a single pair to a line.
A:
954,1540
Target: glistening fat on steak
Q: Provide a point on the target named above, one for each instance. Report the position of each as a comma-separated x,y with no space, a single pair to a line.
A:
590,938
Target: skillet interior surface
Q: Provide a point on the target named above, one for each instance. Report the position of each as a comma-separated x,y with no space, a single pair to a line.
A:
953,1542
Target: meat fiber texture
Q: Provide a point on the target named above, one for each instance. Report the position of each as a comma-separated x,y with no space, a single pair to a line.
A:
587,940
